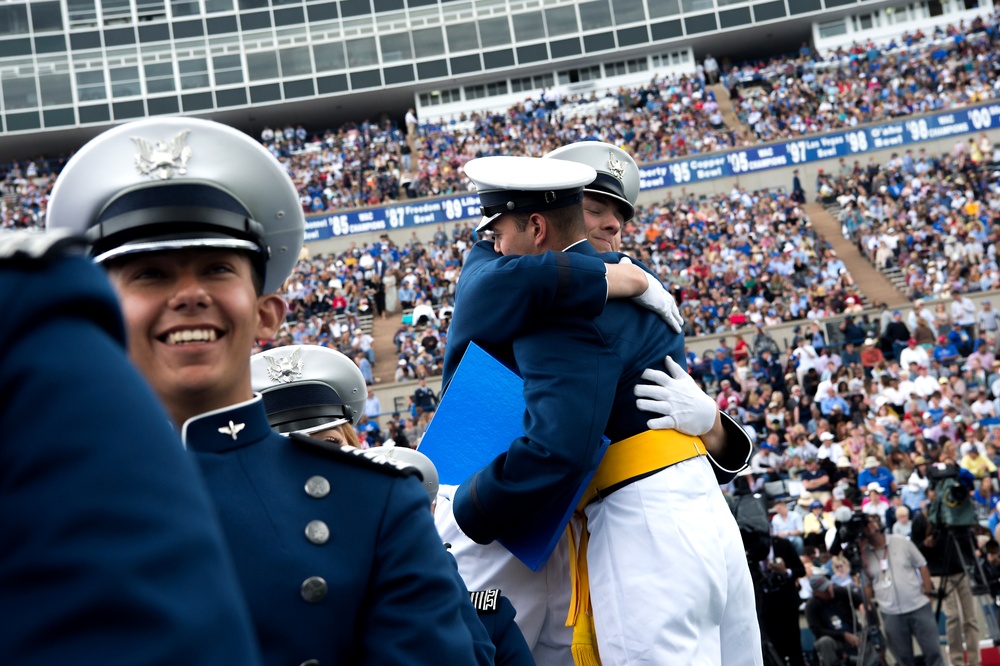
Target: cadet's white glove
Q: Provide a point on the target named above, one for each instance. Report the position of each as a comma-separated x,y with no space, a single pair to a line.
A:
685,407
659,300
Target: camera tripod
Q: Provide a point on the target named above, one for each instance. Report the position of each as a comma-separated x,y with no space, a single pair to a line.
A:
961,541
871,643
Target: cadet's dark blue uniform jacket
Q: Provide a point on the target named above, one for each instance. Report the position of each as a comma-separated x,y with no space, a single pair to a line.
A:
110,552
373,587
572,365
502,296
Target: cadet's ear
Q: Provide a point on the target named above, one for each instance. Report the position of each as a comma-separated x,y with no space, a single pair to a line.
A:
270,315
538,228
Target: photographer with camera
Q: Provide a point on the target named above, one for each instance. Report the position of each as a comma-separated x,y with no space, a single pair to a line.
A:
833,622
775,568
780,573
944,539
895,575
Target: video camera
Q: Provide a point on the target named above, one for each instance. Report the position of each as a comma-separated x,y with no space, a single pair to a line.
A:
953,506
850,531
953,516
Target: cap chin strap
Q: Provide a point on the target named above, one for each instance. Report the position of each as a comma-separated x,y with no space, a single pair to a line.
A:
177,244
309,426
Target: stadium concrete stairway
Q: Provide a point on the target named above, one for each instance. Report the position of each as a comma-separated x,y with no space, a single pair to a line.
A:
872,285
894,273
383,330
728,112
896,277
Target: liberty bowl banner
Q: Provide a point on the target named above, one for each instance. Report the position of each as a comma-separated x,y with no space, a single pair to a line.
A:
692,169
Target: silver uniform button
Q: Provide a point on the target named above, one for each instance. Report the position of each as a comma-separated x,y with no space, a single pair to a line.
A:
317,532
314,589
317,487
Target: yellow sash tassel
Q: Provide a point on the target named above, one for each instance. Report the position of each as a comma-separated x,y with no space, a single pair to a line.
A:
581,614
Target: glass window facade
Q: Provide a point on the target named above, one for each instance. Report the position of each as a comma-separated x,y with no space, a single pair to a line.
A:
428,42
595,14
46,16
361,52
106,60
329,56
462,37
630,11
561,21
494,32
528,26
396,47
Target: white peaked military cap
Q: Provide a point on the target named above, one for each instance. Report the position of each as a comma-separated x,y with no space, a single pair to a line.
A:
171,183
525,185
617,172
306,388
413,458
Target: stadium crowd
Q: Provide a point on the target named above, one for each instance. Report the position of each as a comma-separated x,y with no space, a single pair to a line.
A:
932,217
791,97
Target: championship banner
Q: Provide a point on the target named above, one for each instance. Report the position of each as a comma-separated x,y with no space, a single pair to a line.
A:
468,432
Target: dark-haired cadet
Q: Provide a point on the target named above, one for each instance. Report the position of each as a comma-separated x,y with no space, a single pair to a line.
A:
198,226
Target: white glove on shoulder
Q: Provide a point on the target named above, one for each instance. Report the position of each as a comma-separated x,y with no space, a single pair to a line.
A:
685,407
659,300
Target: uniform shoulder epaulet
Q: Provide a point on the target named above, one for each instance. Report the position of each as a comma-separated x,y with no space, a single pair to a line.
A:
485,601
30,247
368,458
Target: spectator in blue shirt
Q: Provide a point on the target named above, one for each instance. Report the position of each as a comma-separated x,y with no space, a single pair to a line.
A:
691,357
365,366
407,296
832,402
985,498
959,338
874,471
945,351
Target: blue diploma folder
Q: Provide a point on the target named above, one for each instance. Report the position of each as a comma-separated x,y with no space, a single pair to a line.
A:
478,418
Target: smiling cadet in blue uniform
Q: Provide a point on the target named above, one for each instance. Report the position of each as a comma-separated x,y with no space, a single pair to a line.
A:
317,391
198,225
109,551
580,376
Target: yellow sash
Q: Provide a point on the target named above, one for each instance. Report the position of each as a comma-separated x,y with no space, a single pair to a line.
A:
649,451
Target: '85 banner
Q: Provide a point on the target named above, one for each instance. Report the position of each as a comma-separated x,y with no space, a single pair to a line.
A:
683,171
